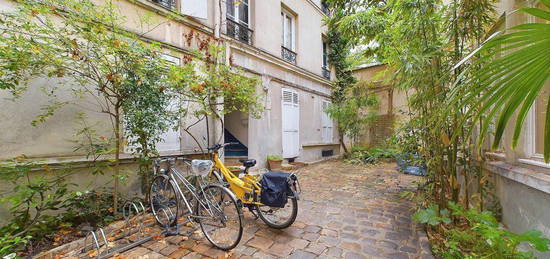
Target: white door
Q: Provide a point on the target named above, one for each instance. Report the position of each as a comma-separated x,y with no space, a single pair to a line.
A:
291,125
326,122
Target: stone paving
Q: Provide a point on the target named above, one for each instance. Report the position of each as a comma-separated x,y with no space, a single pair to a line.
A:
345,211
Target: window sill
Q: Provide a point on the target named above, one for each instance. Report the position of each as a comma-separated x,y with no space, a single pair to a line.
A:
534,162
534,178
319,144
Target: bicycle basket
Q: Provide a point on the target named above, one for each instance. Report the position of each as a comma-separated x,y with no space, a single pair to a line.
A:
201,167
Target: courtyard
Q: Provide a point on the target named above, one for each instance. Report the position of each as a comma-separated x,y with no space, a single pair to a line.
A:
345,211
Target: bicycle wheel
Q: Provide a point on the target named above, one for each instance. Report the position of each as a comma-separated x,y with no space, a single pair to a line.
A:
279,218
220,217
164,201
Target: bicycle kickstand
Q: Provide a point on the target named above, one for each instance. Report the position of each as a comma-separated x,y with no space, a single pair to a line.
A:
253,212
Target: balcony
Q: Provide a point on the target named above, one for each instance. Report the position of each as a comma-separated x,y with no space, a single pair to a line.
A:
168,4
288,55
239,31
326,72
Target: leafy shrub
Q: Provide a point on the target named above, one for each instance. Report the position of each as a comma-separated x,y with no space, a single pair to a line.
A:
274,157
362,155
35,202
463,233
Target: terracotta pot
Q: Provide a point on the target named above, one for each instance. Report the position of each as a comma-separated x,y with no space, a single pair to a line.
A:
274,164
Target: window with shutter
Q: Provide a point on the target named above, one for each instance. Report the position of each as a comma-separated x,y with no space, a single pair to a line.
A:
290,123
326,123
171,138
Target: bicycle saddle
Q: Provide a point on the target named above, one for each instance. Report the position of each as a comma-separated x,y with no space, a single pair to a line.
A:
248,162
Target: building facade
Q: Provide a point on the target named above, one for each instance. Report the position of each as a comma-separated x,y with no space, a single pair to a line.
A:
279,41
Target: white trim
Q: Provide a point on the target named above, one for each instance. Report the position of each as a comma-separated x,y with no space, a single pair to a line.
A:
534,162
286,14
236,18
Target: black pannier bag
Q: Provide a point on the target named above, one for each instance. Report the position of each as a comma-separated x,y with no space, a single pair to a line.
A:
275,189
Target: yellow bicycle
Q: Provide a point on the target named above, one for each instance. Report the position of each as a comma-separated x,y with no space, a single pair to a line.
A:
248,189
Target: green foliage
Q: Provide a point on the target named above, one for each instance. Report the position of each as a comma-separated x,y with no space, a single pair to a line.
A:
91,208
432,215
218,89
31,200
362,155
352,104
40,204
509,75
82,47
478,234
274,157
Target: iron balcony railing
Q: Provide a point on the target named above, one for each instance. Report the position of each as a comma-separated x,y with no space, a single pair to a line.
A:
324,7
326,72
168,4
288,55
239,31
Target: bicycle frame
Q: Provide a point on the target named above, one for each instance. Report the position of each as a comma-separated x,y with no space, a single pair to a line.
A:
177,177
248,184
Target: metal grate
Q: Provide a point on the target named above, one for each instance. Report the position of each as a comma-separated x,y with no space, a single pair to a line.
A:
240,32
326,72
168,4
288,55
327,153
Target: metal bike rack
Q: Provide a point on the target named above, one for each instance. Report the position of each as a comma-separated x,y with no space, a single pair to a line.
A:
131,210
96,241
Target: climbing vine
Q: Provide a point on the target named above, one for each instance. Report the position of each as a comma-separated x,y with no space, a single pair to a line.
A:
350,101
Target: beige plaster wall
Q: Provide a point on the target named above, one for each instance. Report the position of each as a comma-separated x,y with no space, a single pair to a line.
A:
309,28
237,124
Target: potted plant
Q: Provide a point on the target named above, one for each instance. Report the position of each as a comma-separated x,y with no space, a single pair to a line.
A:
274,162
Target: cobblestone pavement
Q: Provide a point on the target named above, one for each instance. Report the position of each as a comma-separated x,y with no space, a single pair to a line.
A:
345,211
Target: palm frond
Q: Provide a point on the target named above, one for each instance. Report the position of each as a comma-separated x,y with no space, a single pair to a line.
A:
511,72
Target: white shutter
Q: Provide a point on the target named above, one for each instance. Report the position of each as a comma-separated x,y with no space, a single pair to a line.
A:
326,123
195,8
291,123
171,138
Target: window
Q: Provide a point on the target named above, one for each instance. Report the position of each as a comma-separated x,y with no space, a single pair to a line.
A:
325,68
325,54
168,4
288,30
237,10
540,117
288,37
238,25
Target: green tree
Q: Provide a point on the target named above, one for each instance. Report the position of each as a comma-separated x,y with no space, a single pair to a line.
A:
352,103
86,47
216,89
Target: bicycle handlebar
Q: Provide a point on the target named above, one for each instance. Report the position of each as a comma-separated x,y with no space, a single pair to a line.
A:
218,146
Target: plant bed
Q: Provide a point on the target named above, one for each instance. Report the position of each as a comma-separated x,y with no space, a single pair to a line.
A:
467,233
